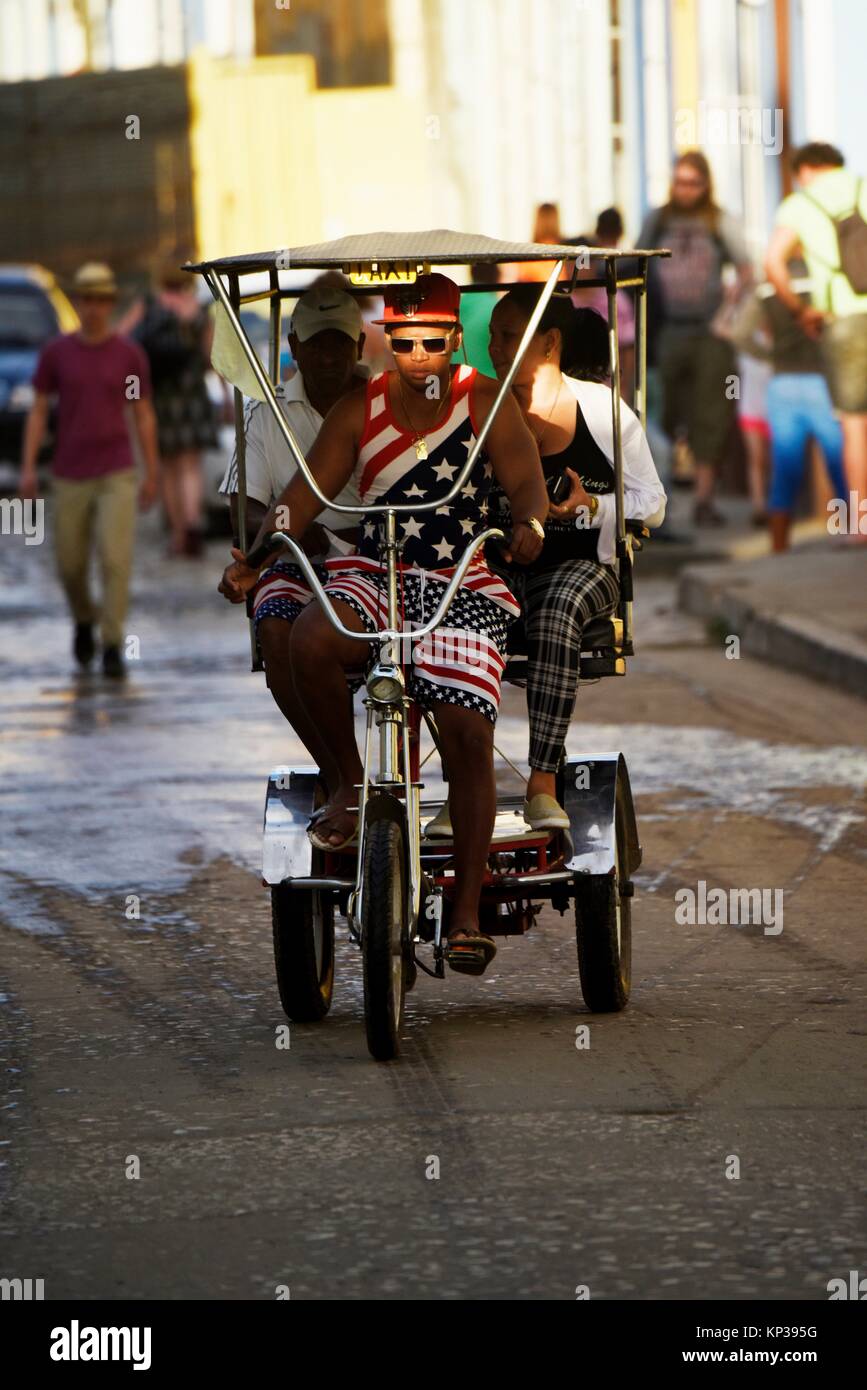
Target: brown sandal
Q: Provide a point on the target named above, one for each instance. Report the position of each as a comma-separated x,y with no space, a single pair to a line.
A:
470,955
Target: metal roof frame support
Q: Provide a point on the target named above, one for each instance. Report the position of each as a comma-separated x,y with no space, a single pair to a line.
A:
215,283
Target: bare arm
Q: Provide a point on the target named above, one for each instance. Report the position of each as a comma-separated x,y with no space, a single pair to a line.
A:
331,461
256,513
34,434
781,248
517,467
145,426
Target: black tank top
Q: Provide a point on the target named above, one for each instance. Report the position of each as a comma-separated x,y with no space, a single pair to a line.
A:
563,539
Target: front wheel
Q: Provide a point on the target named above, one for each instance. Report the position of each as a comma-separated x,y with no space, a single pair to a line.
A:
303,924
603,930
383,938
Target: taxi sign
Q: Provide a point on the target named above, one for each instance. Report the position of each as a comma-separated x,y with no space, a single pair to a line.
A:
385,273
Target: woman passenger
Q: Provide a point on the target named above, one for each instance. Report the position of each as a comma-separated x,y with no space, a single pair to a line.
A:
574,579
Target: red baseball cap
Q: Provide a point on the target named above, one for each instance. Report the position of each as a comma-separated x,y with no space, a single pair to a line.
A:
429,299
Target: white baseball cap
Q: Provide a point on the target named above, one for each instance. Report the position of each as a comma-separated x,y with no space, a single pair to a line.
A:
320,308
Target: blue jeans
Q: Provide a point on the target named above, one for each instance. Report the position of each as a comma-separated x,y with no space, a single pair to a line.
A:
799,408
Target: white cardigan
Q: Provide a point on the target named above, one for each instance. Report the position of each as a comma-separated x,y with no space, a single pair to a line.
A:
643,493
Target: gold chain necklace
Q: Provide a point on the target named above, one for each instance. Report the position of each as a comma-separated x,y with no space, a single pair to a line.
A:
419,440
539,437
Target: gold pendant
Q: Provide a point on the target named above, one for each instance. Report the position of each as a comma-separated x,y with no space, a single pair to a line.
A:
421,448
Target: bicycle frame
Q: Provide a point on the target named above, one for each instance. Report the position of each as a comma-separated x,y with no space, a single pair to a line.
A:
392,716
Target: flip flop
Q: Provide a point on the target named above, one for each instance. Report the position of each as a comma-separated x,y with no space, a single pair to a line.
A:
326,845
440,825
470,955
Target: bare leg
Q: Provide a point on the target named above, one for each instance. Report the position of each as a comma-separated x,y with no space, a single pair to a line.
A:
172,503
319,658
705,481
468,751
756,446
541,784
275,635
780,524
191,487
855,465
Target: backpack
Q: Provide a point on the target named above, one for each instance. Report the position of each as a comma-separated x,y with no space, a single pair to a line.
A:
851,232
656,315
170,344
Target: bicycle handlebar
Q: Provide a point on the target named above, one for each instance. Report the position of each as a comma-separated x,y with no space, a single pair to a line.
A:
268,543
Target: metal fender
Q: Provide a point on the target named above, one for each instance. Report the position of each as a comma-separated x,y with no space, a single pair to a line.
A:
594,786
289,804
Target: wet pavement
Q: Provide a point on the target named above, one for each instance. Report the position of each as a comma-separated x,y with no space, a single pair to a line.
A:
153,1036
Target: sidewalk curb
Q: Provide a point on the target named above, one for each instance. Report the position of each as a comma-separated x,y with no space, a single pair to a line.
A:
785,639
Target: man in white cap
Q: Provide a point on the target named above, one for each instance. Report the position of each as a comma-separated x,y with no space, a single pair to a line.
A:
326,338
101,382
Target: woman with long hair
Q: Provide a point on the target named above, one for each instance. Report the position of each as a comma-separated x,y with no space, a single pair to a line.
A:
573,579
175,331
546,232
696,361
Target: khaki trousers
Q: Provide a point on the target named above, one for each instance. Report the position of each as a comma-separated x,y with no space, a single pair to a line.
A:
104,509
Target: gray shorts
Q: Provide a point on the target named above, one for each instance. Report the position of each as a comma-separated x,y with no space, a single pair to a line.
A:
844,349
695,367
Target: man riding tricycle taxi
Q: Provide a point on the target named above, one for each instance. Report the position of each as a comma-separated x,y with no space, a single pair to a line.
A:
404,435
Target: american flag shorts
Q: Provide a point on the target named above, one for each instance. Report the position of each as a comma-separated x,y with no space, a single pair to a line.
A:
460,663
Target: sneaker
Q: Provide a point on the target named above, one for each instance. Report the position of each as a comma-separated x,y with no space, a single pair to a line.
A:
112,664
440,827
544,812
84,647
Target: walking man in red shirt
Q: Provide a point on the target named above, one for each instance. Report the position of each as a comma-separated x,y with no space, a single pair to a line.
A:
102,385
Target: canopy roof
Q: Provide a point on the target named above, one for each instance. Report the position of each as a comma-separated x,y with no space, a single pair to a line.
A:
415,248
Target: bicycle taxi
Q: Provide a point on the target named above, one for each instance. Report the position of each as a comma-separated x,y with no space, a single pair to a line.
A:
394,885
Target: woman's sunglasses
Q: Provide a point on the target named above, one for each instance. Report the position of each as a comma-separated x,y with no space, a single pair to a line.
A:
430,345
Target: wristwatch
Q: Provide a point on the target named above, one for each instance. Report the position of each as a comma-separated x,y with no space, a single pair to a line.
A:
592,506
534,524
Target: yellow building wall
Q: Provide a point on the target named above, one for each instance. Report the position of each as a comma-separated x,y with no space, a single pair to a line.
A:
253,151
374,161
685,67
279,163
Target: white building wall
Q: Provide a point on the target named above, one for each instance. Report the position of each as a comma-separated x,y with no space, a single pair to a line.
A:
829,66
519,93
656,96
719,92
41,38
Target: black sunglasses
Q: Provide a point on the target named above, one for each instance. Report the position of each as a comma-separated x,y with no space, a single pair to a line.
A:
430,345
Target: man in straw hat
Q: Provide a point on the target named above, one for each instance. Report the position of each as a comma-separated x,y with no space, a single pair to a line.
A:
101,382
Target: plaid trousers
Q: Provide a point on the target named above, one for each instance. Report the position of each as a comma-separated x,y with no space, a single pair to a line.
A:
557,604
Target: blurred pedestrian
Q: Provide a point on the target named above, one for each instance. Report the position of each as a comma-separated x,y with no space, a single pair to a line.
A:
102,385
695,362
326,338
752,410
826,218
609,233
799,406
546,232
175,330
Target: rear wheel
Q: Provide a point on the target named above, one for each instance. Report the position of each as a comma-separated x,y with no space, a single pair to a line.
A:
303,922
383,938
603,929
